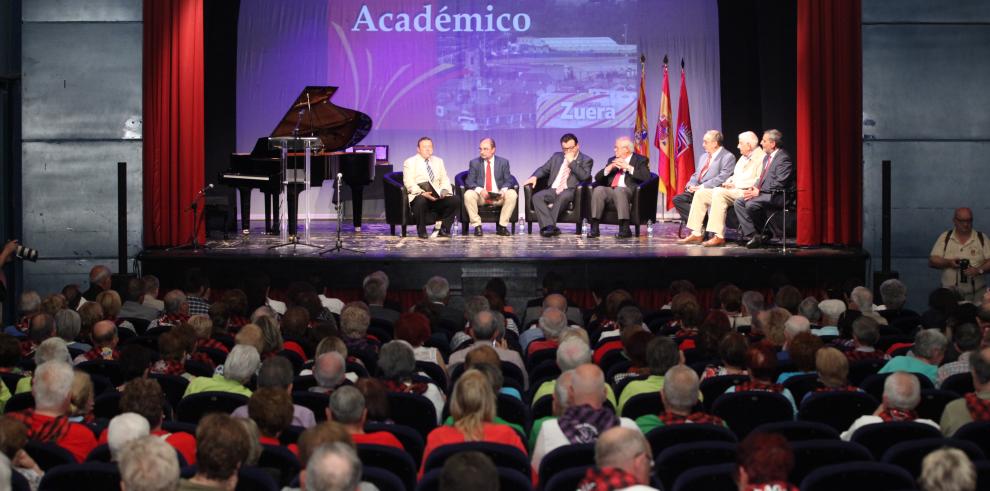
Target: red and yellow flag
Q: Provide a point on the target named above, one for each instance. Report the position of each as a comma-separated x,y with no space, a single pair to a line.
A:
684,153
642,131
665,143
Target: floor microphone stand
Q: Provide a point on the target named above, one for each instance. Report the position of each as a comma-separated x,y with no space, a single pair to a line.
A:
339,246
193,243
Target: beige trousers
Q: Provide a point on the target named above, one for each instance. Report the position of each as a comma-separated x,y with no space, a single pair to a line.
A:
472,199
716,202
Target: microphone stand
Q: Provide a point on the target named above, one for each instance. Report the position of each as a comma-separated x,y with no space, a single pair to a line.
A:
193,243
339,246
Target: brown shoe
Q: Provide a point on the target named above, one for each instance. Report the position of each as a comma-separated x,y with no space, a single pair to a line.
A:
691,239
715,241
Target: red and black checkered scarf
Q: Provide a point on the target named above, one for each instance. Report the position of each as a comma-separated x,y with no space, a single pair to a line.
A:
979,409
759,386
172,319
50,432
891,414
407,387
699,417
843,388
100,354
606,479
583,423
168,367
212,344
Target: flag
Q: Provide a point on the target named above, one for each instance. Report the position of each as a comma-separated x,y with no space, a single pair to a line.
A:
663,141
684,149
642,131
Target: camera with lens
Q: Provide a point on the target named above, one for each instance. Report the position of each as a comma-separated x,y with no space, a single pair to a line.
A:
963,264
26,253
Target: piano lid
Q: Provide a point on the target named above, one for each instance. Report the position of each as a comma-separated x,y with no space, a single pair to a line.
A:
312,114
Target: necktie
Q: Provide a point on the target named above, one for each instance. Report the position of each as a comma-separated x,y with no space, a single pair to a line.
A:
565,172
704,168
488,175
618,175
766,166
429,170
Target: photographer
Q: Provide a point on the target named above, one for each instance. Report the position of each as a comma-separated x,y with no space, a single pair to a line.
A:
963,256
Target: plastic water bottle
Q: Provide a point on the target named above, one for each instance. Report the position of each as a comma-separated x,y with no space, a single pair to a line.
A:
521,227
455,229
585,228
649,229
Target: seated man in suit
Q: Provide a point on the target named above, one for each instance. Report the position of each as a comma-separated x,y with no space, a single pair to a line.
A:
423,170
489,175
714,167
715,202
564,170
623,172
777,175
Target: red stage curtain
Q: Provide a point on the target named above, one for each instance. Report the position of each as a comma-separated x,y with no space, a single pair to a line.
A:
829,113
173,118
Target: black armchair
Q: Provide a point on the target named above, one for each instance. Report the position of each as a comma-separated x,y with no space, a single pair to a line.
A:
397,211
644,203
573,214
488,213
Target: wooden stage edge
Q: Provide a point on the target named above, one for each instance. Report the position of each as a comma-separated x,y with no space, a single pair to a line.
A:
522,259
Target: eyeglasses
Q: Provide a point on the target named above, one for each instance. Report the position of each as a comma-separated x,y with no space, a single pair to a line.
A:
566,148
960,220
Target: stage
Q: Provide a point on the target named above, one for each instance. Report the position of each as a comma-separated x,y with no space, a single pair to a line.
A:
522,260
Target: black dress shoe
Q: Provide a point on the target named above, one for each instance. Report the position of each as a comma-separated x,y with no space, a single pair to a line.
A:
423,235
546,231
444,232
478,232
624,233
594,233
503,231
556,230
756,242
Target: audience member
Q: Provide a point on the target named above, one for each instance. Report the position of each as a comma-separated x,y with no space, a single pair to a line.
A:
833,371
661,354
623,460
925,356
151,287
761,362
484,329
276,372
732,352
947,469
333,467
241,365
144,396
222,446
13,439
469,471
830,310
802,349
414,328
68,325
865,334
974,406
271,409
329,371
148,464
104,337
763,462
347,408
680,395
134,303
901,395
398,365
124,428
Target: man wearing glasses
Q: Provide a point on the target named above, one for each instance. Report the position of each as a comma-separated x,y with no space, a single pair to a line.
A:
564,170
963,256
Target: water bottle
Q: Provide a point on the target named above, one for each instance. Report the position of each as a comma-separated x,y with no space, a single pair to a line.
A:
585,228
521,227
649,229
455,229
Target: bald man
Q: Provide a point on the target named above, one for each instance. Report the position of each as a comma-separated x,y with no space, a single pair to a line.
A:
99,281
584,418
104,338
623,460
901,395
963,255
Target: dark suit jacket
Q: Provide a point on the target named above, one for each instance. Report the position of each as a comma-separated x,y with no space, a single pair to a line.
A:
580,169
476,174
640,173
780,174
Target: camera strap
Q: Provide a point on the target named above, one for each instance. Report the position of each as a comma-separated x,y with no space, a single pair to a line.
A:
948,235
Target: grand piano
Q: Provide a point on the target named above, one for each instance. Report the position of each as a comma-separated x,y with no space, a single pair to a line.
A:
311,115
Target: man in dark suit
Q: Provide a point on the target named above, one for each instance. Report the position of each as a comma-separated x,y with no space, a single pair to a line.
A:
564,170
624,171
713,168
777,174
489,174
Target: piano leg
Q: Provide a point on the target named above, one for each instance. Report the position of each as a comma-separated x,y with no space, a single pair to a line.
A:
245,195
357,201
292,202
276,214
268,212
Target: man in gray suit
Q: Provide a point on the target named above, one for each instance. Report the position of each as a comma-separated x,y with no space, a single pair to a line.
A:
616,181
489,175
564,170
776,175
713,168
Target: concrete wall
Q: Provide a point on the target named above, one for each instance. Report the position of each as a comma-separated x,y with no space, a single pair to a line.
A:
81,64
925,108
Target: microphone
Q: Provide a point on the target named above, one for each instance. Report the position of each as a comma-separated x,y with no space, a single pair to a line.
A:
204,190
340,175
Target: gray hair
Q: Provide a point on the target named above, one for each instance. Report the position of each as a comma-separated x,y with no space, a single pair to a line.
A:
863,298
242,363
893,293
149,464
329,369
680,387
67,324
52,385
52,349
661,354
347,405
396,359
374,290
618,446
30,302
809,309
928,343
98,274
354,322
902,390
123,429
560,389
552,323
377,275
573,353
174,300
796,324
629,316
947,469
5,472
866,330
276,371
625,141
774,135
716,135
437,289
475,304
271,336
749,137
151,284
333,467
753,301
483,325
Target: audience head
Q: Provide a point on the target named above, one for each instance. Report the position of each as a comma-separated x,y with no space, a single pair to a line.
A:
437,289
271,408
572,353
413,328
83,396
354,321
893,293
803,348
469,471
901,390
322,434
333,467
712,330
271,337
730,297
763,458
89,313
374,291
251,335
151,285
560,392
29,303
761,361
947,469
635,342
552,322
587,386
484,326
629,316
866,331
52,387
123,429
966,337
832,366
375,398
732,350
752,301
472,403
222,446
396,360
329,369
143,396
830,310
104,334
979,364
276,372
347,406
110,301
794,325
680,389
241,364
42,327
52,349
148,464
474,305
929,344
626,449
615,301
661,354
100,276
809,309
481,355
861,299
10,351
686,309
555,301
788,298
67,324
771,324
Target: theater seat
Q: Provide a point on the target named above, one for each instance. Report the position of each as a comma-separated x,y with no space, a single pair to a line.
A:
881,436
566,457
279,462
414,411
502,455
383,479
48,455
391,459
743,411
89,475
667,436
677,459
509,479
410,439
812,454
858,476
909,454
837,409
977,432
195,406
718,477
795,431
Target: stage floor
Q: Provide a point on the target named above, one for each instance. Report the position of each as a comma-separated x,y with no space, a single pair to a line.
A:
639,262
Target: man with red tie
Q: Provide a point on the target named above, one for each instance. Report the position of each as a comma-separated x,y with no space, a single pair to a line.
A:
776,175
489,181
624,171
713,168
